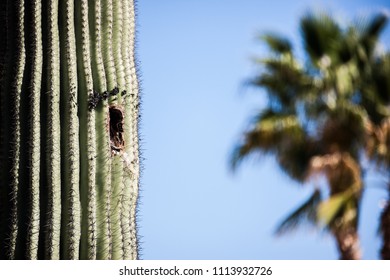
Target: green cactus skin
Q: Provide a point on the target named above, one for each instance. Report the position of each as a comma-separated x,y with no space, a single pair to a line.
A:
69,109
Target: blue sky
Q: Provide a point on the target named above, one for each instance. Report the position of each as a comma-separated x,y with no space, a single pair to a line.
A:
195,56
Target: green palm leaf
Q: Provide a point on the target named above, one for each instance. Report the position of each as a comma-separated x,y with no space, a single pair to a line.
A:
321,35
269,133
370,31
296,83
306,213
339,209
376,90
277,43
294,157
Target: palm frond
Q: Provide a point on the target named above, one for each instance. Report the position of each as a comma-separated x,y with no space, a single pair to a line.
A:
295,157
321,36
376,25
306,213
251,144
370,30
284,80
348,45
288,69
277,43
339,210
278,93
376,90
381,79
268,133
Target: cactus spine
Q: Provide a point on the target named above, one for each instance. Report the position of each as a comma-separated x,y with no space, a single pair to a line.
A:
69,161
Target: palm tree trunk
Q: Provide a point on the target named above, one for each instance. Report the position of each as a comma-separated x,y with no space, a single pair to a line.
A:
348,244
385,231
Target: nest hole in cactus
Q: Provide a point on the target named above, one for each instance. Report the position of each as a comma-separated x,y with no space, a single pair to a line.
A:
116,129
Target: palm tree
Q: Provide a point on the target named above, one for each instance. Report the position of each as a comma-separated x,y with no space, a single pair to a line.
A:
315,122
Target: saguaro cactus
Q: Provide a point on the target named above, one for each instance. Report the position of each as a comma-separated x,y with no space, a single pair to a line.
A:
69,130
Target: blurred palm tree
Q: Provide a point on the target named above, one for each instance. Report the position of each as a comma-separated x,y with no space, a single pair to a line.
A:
316,122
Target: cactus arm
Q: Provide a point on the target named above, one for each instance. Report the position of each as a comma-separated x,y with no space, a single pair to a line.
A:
87,134
69,134
53,154
103,159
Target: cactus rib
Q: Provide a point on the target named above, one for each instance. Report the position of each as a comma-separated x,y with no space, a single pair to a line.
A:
87,134
134,119
34,143
53,153
128,175
69,135
103,159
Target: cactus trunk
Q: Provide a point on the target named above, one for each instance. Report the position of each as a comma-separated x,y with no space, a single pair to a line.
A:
69,161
